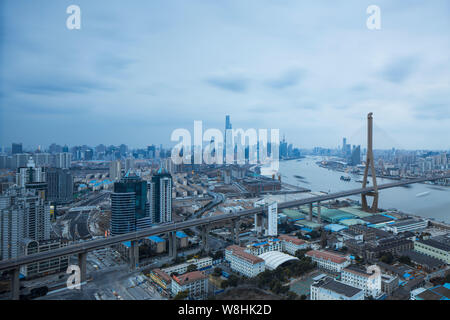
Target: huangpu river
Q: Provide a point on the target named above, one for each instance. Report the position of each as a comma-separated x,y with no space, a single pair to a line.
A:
419,199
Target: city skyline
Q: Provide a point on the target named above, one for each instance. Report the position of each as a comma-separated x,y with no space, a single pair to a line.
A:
314,73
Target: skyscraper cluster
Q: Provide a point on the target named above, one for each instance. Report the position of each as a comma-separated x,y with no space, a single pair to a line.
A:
352,154
137,204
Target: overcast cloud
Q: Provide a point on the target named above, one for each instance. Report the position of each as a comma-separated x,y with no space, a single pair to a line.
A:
137,70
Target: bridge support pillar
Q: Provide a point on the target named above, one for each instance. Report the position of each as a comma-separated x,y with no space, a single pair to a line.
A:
319,220
205,245
174,244
310,212
134,255
15,284
232,230
259,224
82,265
235,224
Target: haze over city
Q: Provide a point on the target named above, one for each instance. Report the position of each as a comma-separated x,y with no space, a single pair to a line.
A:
132,74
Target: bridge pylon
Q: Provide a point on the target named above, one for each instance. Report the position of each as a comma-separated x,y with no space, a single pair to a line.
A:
370,163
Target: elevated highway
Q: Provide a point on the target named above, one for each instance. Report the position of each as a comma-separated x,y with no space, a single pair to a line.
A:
91,245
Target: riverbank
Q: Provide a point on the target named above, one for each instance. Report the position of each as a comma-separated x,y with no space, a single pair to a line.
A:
423,200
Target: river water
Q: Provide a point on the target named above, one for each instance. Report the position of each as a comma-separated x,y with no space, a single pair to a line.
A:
419,199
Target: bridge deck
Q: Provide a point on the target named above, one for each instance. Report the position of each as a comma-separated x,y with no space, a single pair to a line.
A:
100,243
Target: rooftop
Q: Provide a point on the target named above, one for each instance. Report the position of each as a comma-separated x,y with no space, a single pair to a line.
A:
338,287
291,239
436,244
357,271
326,255
189,277
239,251
375,219
406,222
423,259
436,293
155,239
181,234
274,259
162,274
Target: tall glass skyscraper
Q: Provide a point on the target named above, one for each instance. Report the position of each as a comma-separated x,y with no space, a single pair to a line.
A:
129,206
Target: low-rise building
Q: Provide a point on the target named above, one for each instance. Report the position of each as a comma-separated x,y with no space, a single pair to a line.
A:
182,239
243,262
395,245
292,244
330,261
195,282
389,284
433,248
181,268
162,279
441,292
326,288
370,283
369,234
157,244
350,234
407,225
271,244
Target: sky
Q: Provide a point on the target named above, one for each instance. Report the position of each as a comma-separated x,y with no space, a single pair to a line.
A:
137,70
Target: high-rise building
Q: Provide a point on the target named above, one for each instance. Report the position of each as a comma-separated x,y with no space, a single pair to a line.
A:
29,174
63,160
20,160
32,177
272,220
60,185
356,156
115,170
161,190
129,164
5,161
16,148
283,148
129,206
228,126
227,122
55,148
151,152
23,215
42,159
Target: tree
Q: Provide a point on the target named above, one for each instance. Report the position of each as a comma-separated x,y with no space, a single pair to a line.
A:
405,260
300,253
181,295
292,295
217,255
191,267
387,258
447,278
217,271
303,297
233,280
